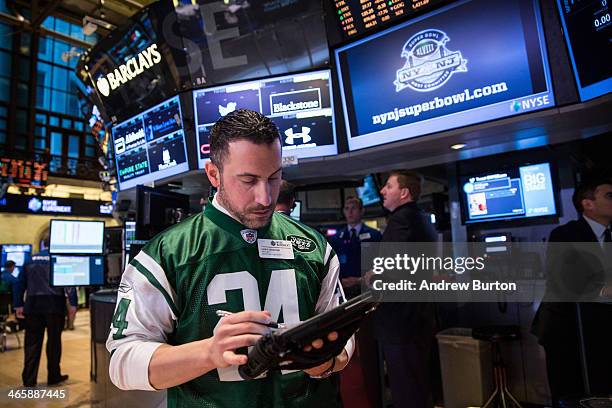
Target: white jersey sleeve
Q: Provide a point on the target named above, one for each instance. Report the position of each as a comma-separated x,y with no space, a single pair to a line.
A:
331,291
144,316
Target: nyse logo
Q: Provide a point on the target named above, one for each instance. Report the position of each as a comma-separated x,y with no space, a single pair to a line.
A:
530,103
535,182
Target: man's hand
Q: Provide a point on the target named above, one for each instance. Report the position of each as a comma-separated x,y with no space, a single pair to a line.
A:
19,313
341,359
235,331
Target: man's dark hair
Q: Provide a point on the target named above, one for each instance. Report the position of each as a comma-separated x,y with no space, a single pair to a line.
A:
243,124
411,180
9,264
46,239
354,199
586,190
286,193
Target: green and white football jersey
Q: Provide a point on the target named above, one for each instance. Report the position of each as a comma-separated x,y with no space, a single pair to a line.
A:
170,291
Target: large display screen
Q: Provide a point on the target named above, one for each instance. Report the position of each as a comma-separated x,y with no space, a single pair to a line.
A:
519,192
77,270
358,16
136,66
300,105
151,145
468,62
18,253
588,32
76,237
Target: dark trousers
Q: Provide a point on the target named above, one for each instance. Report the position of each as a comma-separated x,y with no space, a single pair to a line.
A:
35,325
563,369
370,364
408,366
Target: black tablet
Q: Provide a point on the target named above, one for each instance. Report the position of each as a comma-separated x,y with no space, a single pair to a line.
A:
283,349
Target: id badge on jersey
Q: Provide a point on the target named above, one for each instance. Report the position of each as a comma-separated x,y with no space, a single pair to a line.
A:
275,249
364,236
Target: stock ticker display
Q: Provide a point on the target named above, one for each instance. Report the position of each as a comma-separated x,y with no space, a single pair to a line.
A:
300,105
151,145
359,16
588,32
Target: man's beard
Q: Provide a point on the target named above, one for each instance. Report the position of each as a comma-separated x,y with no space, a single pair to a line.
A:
243,218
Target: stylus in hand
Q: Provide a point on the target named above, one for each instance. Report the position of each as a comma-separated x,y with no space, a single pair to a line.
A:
273,325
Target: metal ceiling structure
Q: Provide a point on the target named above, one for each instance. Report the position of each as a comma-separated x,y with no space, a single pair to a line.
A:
108,13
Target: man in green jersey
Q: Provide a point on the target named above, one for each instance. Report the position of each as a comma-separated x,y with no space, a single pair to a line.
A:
237,255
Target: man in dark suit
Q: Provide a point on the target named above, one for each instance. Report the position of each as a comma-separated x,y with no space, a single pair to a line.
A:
406,330
577,272
347,244
286,198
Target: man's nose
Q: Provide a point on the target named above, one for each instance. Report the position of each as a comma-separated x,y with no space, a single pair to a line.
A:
263,194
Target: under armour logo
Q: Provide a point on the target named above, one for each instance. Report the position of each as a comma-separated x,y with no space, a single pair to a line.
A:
304,135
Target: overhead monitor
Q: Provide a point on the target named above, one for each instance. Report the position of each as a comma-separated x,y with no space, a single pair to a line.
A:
150,146
77,270
301,105
18,253
588,32
368,192
469,62
296,212
516,192
76,237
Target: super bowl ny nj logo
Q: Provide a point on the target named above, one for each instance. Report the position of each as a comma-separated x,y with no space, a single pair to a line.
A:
429,64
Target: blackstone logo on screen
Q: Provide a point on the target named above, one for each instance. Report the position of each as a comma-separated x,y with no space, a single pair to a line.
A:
131,69
429,64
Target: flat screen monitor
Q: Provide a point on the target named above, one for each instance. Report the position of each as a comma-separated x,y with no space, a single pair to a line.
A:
588,32
469,62
158,209
129,234
301,105
296,212
517,192
77,270
150,146
18,253
368,192
76,237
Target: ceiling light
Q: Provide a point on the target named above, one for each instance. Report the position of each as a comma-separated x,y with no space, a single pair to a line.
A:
458,146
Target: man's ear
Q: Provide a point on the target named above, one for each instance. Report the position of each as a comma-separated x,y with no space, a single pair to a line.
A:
405,194
213,173
586,204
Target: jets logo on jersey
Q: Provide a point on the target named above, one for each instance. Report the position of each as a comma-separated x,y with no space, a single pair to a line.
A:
224,110
124,287
304,135
302,244
249,235
429,64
